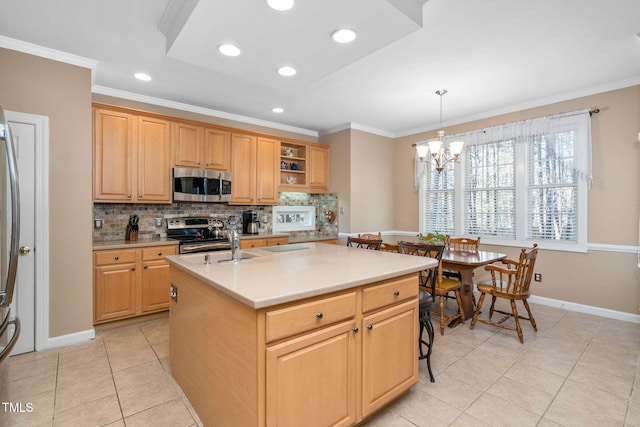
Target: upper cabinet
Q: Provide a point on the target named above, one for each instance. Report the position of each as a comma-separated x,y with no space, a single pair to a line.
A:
131,158
254,170
304,167
201,147
134,152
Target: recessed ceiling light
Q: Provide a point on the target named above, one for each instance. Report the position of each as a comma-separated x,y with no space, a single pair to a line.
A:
229,49
142,76
277,110
287,71
344,35
280,4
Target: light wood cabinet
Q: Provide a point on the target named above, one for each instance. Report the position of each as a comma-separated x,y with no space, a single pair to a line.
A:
254,170
304,167
262,242
130,282
131,156
318,168
201,147
333,359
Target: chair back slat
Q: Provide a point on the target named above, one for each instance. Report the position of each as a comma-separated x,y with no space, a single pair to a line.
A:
428,277
518,280
357,242
461,243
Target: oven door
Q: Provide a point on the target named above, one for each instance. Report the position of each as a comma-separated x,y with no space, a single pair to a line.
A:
190,248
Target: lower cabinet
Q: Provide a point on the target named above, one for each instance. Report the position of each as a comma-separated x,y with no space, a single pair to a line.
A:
267,241
330,360
130,282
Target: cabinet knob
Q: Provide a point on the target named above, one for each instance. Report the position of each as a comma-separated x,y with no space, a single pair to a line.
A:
319,315
159,253
396,292
128,196
116,257
355,330
146,266
133,269
369,327
139,196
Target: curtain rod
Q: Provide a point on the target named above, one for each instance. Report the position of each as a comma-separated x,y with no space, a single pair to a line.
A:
594,110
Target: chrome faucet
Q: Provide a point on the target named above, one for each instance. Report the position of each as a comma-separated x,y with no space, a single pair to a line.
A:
234,239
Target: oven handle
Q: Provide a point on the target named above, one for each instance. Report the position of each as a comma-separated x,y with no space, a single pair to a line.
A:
204,247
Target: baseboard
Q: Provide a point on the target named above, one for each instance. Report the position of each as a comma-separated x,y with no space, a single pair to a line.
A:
581,308
71,339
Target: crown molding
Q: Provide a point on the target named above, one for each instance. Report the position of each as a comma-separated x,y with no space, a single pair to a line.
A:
199,110
567,96
358,126
45,52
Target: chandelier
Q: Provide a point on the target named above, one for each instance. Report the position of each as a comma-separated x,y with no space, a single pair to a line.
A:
437,148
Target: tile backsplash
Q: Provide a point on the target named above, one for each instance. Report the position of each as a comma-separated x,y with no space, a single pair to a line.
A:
115,216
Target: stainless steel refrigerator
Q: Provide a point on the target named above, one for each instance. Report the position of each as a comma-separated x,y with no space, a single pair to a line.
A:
9,238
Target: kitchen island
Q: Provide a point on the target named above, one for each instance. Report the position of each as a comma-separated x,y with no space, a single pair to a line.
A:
302,334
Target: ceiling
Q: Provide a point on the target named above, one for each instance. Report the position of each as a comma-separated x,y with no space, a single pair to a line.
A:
492,56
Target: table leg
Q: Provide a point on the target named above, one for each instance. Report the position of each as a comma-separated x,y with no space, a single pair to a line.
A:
466,294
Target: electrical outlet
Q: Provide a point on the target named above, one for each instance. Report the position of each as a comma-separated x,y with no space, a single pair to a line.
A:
158,222
341,210
537,277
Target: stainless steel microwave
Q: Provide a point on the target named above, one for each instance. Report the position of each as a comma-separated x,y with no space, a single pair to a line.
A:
200,185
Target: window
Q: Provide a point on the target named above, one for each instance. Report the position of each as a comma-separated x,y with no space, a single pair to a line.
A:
515,184
293,218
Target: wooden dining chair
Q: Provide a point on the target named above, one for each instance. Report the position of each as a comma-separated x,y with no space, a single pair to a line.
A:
465,244
512,283
357,242
433,281
389,247
370,236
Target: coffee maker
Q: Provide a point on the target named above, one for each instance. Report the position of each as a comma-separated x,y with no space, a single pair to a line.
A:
250,223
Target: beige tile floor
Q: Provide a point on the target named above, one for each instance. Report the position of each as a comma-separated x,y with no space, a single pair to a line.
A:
577,370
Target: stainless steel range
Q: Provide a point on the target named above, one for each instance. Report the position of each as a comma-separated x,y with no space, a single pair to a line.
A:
198,234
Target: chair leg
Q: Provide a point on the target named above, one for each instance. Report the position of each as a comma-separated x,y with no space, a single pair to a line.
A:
531,319
493,306
477,312
441,314
514,311
459,301
425,324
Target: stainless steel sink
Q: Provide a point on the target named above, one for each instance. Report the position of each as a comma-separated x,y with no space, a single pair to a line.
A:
284,248
243,257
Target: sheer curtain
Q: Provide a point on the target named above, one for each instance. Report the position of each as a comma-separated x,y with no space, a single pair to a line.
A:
521,131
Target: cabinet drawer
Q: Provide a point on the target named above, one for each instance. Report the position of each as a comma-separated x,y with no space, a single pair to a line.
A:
304,317
276,241
252,243
115,256
157,252
389,292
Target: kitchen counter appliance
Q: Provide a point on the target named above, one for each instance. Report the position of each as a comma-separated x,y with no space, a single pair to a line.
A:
198,234
250,222
201,185
9,241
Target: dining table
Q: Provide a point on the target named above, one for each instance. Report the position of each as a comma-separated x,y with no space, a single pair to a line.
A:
465,262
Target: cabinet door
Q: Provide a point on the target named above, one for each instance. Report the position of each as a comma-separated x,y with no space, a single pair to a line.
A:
114,292
155,286
113,136
277,241
154,160
317,371
243,169
187,142
217,149
318,163
389,354
267,171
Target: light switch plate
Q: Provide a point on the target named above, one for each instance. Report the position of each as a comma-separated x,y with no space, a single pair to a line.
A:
158,222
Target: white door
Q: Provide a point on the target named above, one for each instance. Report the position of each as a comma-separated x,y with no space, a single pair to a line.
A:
24,302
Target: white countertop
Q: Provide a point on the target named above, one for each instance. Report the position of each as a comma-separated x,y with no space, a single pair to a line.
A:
271,278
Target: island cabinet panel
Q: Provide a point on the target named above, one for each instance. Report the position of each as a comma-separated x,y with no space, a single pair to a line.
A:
215,353
389,355
319,361
318,372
